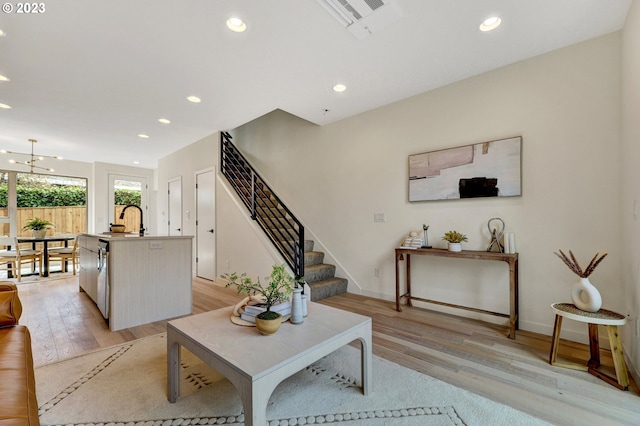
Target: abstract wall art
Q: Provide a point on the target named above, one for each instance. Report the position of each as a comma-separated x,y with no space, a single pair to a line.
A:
487,169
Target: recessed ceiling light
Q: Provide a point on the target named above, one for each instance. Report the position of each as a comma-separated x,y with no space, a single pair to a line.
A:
339,88
5,106
236,24
2,33
164,120
143,136
3,78
136,162
193,99
490,24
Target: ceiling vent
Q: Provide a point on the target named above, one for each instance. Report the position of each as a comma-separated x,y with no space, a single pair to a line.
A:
362,17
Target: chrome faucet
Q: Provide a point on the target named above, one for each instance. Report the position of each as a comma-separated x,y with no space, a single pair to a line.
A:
137,207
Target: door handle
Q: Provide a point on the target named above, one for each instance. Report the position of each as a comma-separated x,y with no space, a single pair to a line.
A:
210,230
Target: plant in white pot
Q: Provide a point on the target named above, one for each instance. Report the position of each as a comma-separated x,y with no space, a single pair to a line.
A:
38,226
278,288
455,240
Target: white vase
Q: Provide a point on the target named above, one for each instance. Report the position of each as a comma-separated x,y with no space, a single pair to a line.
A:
455,246
40,233
296,307
304,305
586,296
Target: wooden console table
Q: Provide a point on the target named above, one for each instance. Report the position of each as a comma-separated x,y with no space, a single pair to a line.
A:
510,259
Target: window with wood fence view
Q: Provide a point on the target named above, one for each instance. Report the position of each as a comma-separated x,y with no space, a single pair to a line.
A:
60,200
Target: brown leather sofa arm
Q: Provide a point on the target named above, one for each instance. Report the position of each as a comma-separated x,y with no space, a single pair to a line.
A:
18,403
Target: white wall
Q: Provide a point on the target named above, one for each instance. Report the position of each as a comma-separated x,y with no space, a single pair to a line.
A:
565,105
240,245
630,178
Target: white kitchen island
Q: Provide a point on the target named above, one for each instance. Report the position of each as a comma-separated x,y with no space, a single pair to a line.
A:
149,278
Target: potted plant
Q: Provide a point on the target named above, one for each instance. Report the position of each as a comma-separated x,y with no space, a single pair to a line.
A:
278,287
583,293
455,239
38,226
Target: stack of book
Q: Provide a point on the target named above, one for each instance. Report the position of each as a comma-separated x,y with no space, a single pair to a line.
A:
250,311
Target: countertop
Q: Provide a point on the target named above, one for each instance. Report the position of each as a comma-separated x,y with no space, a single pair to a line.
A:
134,236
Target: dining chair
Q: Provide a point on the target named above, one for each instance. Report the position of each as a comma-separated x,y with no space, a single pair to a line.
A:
65,254
7,257
26,256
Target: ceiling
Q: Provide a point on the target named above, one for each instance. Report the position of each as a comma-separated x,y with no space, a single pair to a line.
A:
87,77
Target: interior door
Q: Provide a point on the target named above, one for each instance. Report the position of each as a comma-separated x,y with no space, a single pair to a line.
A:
205,225
174,221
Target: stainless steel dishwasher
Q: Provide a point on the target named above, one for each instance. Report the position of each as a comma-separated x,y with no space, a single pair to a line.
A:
103,278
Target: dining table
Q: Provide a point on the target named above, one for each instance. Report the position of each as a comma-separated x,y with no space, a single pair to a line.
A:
45,247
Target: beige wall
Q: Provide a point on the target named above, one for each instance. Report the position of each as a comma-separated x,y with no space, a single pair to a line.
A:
565,105
630,179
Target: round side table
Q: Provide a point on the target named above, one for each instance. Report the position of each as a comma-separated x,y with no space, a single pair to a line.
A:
604,317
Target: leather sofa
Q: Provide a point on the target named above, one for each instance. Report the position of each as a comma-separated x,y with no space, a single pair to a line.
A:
18,404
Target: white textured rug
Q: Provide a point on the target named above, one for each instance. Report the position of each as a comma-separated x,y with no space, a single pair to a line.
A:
126,385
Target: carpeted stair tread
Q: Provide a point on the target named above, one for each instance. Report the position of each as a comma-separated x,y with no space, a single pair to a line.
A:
313,258
320,272
327,288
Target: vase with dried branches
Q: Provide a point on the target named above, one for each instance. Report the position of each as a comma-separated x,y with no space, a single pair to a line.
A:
584,294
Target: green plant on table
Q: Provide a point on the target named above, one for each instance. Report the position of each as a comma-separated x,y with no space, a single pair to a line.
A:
37,224
278,287
454,237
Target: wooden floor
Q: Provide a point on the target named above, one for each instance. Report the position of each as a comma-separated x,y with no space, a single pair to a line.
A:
469,354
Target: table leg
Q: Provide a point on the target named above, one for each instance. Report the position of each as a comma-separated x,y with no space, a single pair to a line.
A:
45,260
409,280
366,364
398,257
555,340
618,357
255,398
173,369
594,347
513,298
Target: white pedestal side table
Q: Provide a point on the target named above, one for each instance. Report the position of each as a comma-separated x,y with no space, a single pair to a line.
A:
604,317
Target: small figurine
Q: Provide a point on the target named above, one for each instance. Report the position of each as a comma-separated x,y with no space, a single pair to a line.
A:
496,236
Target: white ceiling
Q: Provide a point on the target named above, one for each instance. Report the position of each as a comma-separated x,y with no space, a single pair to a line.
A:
86,77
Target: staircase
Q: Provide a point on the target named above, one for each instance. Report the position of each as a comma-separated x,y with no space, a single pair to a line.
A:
319,276
279,224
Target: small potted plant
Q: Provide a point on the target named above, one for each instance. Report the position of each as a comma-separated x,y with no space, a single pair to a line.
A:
455,239
278,288
38,226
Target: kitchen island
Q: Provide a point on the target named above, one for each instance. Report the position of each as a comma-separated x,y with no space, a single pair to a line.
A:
146,279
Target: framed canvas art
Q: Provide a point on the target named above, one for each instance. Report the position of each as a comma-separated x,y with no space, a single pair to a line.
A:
487,169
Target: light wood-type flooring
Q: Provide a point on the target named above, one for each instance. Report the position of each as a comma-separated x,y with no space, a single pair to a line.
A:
472,355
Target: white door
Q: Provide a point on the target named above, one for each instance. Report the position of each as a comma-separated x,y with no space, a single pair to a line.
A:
133,190
205,225
174,220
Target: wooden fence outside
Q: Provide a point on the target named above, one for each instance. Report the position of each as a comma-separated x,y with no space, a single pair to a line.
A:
67,220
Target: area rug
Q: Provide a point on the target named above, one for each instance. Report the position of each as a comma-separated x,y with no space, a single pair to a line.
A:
127,384
28,278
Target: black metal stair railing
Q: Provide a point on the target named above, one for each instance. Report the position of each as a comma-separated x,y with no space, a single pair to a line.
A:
283,229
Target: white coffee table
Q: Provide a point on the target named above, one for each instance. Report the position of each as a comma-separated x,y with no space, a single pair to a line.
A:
256,364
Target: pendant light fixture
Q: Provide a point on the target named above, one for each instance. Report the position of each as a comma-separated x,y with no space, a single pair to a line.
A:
31,163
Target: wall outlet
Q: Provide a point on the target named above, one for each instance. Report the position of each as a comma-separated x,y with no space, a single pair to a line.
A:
379,217
376,272
227,264
155,245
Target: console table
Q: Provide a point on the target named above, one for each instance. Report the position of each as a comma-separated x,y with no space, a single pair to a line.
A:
510,259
